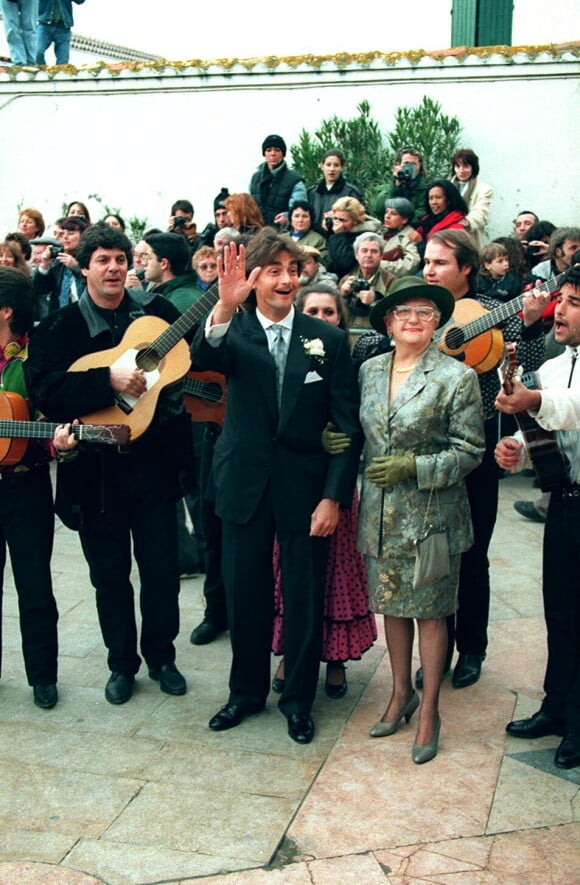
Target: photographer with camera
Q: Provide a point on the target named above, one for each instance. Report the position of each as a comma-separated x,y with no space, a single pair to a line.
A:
564,241
57,280
368,284
409,181
181,222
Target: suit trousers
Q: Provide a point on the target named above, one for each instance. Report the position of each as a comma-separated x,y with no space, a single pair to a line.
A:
107,549
472,616
27,527
247,564
561,590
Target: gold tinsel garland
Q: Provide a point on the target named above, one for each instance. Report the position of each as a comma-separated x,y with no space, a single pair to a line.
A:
340,60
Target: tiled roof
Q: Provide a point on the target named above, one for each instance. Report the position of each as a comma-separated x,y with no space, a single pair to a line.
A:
132,62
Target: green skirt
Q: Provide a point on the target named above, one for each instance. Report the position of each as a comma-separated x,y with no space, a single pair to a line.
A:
391,592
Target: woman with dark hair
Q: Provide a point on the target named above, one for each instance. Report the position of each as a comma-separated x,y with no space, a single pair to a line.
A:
537,242
79,209
476,193
349,627
331,186
114,220
445,207
22,242
301,231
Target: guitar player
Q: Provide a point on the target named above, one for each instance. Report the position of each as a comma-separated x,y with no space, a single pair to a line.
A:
556,407
452,261
118,498
26,508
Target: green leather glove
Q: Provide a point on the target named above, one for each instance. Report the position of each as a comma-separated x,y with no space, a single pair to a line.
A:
388,470
334,443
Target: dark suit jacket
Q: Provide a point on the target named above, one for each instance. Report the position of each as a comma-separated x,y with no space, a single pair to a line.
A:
261,445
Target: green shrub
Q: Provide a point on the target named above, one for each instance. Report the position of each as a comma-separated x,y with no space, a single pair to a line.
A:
370,154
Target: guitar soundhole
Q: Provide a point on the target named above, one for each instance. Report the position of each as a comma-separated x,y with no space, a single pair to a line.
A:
454,338
148,360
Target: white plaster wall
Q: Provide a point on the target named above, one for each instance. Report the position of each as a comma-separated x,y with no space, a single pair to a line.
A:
190,137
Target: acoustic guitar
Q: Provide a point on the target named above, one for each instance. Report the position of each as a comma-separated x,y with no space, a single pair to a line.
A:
471,336
16,429
541,444
205,396
154,346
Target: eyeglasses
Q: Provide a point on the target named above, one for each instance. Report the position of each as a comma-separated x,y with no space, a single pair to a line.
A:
423,314
207,266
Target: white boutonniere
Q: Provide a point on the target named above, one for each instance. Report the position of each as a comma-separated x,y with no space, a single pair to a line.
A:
314,347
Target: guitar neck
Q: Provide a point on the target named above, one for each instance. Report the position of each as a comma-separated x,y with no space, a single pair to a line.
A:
499,314
110,434
170,336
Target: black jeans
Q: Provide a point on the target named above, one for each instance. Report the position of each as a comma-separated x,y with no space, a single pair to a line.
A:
561,589
153,529
27,527
472,616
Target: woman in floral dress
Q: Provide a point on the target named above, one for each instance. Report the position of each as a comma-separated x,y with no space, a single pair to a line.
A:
421,415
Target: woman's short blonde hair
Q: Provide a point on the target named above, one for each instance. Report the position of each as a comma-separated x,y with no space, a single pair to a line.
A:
355,209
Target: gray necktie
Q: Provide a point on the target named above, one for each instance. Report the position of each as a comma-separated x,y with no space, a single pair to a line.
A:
278,351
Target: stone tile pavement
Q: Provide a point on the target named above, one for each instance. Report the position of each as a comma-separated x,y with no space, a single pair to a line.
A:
145,793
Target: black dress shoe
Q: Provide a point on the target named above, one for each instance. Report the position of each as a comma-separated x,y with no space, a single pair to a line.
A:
169,678
278,685
467,670
568,753
230,716
205,632
119,688
537,726
300,728
339,690
45,696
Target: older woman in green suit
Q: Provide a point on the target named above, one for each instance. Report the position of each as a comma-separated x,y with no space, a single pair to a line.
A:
422,418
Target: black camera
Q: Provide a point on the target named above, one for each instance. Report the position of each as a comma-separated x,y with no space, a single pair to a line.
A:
179,222
533,251
407,172
360,286
328,223
54,251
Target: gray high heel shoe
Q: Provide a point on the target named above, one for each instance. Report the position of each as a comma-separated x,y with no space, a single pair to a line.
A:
425,754
383,729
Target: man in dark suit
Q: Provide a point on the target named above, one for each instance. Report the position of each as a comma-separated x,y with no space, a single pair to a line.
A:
288,375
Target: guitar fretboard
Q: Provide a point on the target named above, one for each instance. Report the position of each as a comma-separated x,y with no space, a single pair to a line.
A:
170,336
112,434
458,336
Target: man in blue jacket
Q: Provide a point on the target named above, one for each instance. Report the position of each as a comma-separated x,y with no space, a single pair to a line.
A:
55,20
